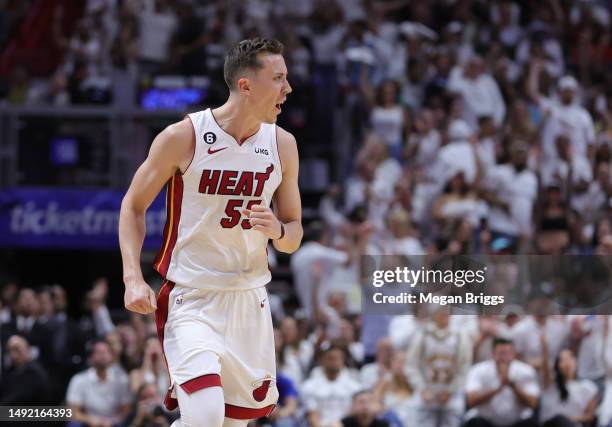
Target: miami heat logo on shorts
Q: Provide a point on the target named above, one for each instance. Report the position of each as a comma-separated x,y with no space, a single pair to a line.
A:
261,388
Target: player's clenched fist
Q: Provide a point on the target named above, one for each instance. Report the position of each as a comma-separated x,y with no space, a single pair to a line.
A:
139,297
263,219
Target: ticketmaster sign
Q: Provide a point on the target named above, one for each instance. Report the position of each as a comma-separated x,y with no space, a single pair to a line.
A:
60,218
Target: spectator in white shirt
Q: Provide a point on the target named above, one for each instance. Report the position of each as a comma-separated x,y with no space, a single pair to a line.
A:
394,393
512,191
565,117
486,144
479,92
158,21
458,201
98,396
527,344
403,328
605,409
559,170
288,366
317,249
590,203
588,335
424,143
503,391
388,118
297,353
327,397
568,401
403,239
456,156
371,373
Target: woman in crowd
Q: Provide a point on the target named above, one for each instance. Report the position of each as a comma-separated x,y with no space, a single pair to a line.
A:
394,393
566,400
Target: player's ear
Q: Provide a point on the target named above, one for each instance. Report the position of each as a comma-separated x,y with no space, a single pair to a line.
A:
244,85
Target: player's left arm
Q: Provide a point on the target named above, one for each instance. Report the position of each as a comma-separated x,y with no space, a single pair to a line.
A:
286,200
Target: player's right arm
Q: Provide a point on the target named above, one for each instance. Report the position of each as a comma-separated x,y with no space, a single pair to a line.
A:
171,151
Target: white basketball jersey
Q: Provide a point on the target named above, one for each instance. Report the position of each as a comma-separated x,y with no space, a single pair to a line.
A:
208,243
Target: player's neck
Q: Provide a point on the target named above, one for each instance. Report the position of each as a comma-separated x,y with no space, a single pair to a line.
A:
235,119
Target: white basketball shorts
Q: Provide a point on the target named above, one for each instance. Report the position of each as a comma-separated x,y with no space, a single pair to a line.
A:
219,338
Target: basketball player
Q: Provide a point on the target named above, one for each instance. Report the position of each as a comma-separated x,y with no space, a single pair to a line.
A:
222,167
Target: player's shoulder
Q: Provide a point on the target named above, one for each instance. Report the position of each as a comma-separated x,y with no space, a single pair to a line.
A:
287,150
175,144
179,130
286,143
178,136
285,137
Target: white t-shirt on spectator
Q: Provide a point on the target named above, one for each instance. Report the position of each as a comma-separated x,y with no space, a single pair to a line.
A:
301,267
485,149
297,361
466,324
388,172
519,190
429,145
554,171
504,408
580,393
291,367
455,157
571,120
156,30
590,203
327,44
406,246
331,399
330,213
471,209
369,375
481,95
590,357
605,408
388,123
526,337
96,397
402,329
355,193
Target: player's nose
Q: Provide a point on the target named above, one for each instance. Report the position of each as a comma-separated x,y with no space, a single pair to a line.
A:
288,88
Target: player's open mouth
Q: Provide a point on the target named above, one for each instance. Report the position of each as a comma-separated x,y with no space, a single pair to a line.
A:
278,106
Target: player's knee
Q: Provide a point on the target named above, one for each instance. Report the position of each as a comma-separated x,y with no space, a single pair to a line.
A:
202,408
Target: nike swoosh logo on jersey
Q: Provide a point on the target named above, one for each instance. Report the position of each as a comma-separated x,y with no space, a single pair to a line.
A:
211,151
263,302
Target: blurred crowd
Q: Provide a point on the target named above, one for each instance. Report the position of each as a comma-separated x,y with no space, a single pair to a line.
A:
475,127
109,369
336,366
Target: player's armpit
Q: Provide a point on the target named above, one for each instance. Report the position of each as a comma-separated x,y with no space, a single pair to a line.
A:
287,203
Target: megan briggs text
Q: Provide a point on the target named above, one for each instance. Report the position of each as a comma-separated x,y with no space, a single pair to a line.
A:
429,298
